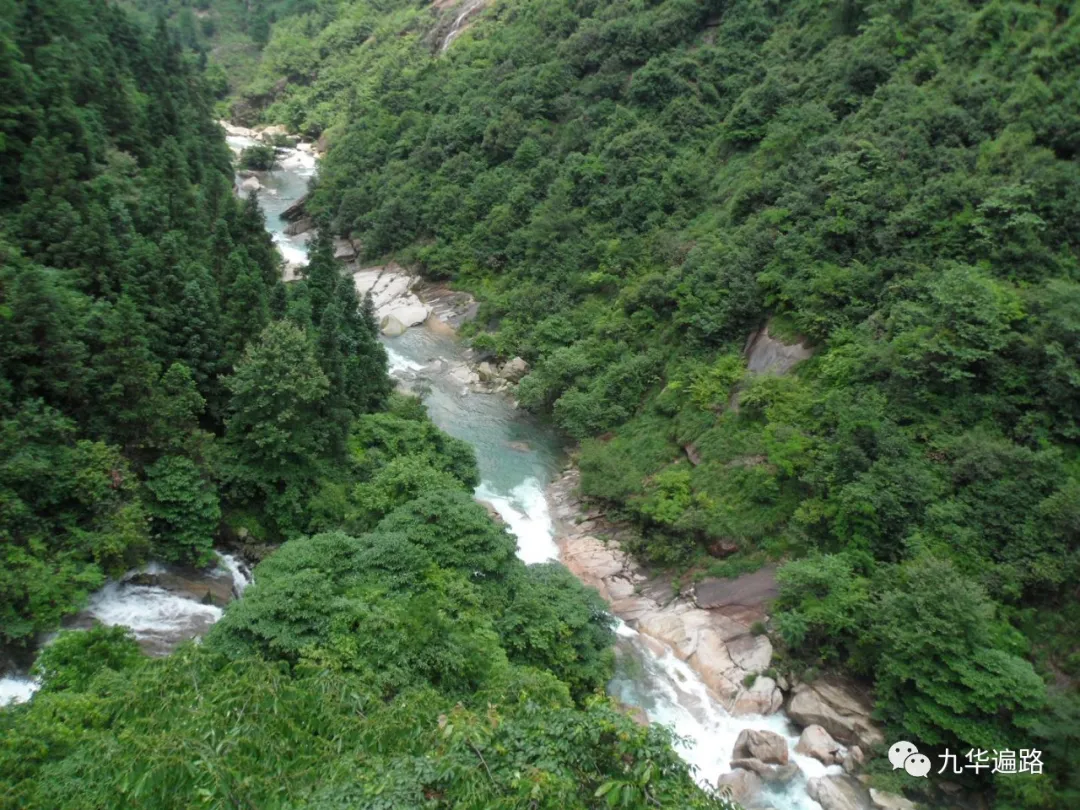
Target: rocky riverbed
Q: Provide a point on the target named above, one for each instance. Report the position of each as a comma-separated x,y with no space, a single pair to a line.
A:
716,627
698,660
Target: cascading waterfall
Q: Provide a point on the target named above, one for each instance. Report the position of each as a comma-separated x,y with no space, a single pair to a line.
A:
470,8
159,618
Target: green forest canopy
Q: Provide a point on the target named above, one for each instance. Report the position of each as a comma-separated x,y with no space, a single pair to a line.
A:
160,389
633,188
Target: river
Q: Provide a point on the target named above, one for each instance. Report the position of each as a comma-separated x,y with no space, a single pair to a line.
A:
518,456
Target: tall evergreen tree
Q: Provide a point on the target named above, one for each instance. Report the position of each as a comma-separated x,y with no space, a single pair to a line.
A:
277,429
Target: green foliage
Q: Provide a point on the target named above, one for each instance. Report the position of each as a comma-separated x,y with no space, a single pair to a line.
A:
554,622
72,660
633,190
274,431
70,515
946,668
400,481
130,280
198,724
184,510
823,604
259,157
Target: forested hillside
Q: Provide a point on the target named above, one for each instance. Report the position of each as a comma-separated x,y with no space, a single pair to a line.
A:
632,189
160,390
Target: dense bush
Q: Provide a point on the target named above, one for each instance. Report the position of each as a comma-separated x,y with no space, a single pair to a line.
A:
633,190
259,157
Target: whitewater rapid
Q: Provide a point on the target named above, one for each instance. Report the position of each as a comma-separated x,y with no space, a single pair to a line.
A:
513,481
158,618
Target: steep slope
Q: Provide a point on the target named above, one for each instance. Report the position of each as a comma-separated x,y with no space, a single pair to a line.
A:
633,189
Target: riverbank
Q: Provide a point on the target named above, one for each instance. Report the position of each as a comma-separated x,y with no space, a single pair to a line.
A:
696,662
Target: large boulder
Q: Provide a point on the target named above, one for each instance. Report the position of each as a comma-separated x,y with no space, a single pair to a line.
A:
344,250
770,774
767,746
299,226
838,708
889,801
751,653
816,742
296,210
839,792
212,586
744,786
391,326
486,371
251,184
413,315
764,697
272,132
854,759
514,369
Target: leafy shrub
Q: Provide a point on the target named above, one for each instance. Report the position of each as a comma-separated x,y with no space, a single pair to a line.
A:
259,157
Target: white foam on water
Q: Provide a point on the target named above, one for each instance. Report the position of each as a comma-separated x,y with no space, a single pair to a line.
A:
240,571
240,141
672,694
290,252
152,613
525,510
300,163
398,363
16,689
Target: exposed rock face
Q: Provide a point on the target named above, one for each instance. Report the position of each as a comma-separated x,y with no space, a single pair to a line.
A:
762,698
233,129
463,14
302,225
838,708
816,742
754,590
486,371
344,250
450,307
410,315
296,210
212,586
391,292
718,646
767,746
766,354
854,760
881,800
391,326
839,792
744,786
514,369
270,133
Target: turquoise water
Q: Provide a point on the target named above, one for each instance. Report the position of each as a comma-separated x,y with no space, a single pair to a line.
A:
518,454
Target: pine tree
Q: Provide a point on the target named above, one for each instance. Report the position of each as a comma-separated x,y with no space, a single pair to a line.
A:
246,303
322,272
123,374
331,350
277,427
367,382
